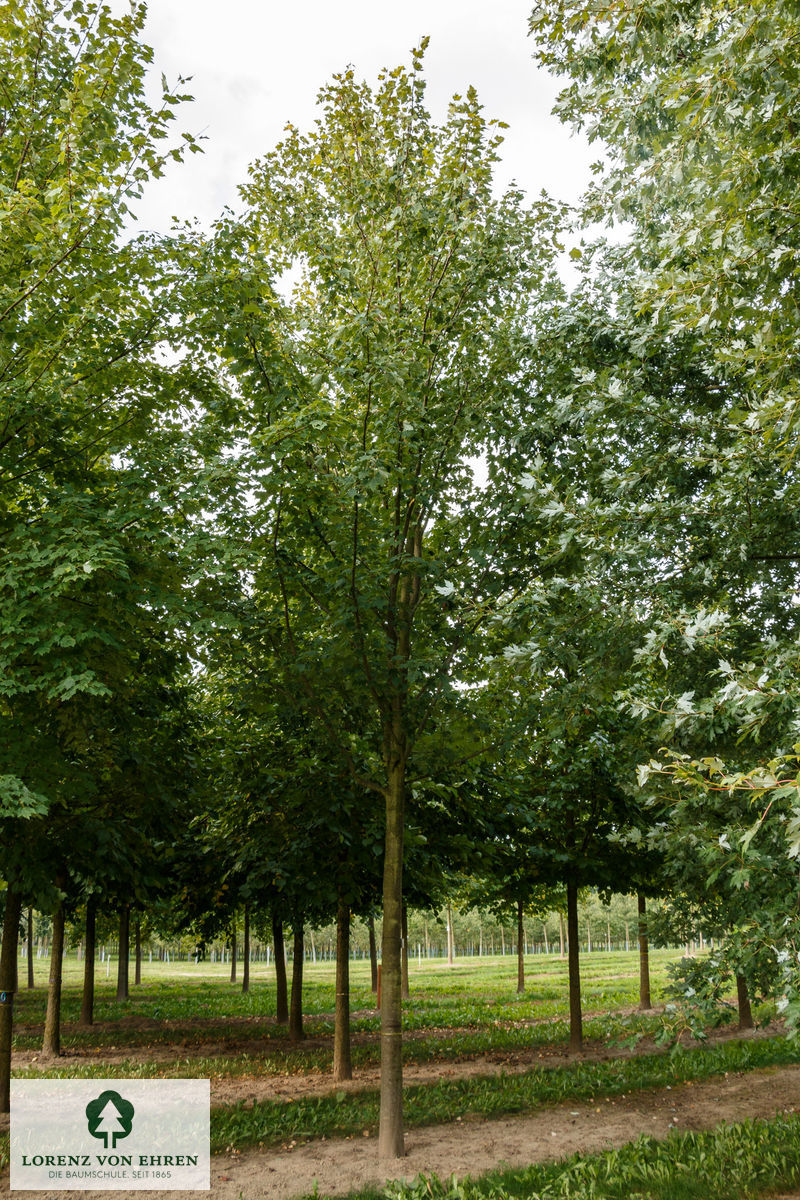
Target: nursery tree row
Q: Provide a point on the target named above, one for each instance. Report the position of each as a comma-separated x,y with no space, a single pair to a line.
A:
333,596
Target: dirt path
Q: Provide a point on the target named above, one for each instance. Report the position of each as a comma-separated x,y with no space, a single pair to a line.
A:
478,1145
281,1085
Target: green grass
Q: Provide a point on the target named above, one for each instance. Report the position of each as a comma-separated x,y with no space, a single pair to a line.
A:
468,1009
733,1162
472,993
475,997
344,1114
273,1058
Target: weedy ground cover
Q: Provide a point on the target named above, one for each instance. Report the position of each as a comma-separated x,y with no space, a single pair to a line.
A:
272,1060
340,1114
734,1162
473,994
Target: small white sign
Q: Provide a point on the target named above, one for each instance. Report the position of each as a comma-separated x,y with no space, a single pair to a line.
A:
110,1134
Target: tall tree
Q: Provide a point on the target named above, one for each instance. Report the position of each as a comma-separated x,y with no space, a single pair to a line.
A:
82,307
401,348
696,104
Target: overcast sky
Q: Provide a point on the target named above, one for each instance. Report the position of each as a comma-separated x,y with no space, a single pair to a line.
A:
256,64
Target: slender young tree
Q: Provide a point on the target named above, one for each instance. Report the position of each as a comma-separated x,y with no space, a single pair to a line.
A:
30,948
296,1032
644,955
137,950
279,954
123,958
8,961
87,999
246,951
342,1062
375,553
51,1041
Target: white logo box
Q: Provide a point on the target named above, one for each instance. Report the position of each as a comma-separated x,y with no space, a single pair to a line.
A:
110,1134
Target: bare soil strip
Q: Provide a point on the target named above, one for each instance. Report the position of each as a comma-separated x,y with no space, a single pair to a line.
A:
245,1088
476,1145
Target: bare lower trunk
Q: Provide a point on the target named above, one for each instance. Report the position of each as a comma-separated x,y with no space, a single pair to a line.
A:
30,947
391,1143
233,954
573,954
137,966
123,976
745,1012
450,946
8,959
520,949
561,932
246,951
342,1065
51,1043
296,1033
406,991
87,1000
644,956
281,992
373,954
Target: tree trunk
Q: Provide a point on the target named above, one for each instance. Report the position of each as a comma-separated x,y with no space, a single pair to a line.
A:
573,953
406,991
296,1033
281,993
246,951
745,1013
520,949
561,931
51,1043
450,948
373,954
123,977
644,955
233,953
546,943
391,1143
342,1065
30,947
87,1000
137,969
8,959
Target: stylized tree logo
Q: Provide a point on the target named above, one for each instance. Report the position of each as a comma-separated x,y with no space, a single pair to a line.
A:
109,1116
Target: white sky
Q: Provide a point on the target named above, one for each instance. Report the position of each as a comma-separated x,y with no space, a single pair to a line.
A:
256,64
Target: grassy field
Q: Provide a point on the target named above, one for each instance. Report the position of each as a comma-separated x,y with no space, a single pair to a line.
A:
174,1022
472,993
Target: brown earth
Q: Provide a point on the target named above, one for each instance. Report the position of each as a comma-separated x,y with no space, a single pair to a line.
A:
282,1085
473,1145
476,1145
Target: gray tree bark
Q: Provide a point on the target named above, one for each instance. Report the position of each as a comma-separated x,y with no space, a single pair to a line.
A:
342,1062
51,1042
